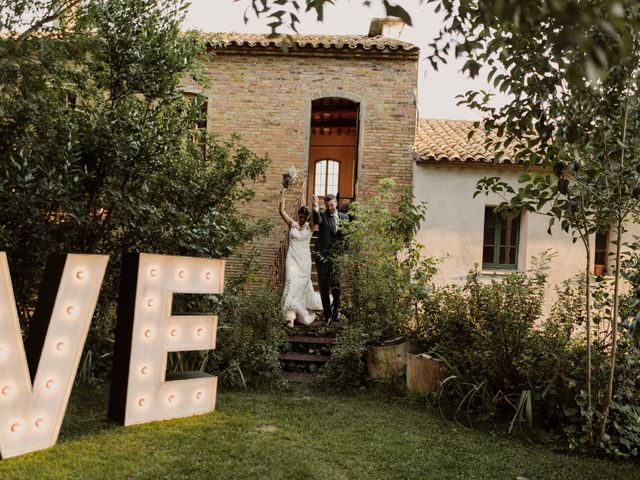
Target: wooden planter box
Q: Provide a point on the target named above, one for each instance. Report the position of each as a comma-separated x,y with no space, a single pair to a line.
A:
387,360
424,373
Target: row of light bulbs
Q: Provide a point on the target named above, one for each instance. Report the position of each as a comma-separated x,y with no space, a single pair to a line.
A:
181,274
17,427
6,390
153,273
171,399
173,332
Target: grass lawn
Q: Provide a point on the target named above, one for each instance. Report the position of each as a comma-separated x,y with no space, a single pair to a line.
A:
297,434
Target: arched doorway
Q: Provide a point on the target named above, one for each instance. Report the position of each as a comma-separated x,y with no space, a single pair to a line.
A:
333,148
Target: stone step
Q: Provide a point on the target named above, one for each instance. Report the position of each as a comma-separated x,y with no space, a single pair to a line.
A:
312,339
320,324
303,357
298,377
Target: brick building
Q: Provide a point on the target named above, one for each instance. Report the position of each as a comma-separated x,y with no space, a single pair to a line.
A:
342,108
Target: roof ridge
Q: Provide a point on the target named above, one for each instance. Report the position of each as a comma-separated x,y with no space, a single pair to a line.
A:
452,120
311,40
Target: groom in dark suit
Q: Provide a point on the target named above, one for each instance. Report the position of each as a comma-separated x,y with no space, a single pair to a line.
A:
328,243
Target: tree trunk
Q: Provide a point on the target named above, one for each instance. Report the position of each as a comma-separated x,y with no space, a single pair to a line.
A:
589,340
614,334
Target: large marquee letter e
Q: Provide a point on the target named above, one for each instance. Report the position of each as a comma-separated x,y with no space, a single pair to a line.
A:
146,330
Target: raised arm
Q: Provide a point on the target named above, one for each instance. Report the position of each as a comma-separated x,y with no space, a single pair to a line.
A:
314,207
317,218
283,214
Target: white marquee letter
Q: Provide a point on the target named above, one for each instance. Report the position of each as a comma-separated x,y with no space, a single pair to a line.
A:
140,389
31,414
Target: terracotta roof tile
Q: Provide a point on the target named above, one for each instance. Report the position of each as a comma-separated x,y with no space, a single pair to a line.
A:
315,42
448,141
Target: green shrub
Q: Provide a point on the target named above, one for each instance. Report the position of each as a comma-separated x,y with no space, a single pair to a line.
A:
345,369
484,331
500,350
377,278
250,334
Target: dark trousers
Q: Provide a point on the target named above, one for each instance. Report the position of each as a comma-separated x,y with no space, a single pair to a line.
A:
329,282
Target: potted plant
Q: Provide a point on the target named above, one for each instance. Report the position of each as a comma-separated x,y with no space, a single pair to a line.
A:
376,270
424,373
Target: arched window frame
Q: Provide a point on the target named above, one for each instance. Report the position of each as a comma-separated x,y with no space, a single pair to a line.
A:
325,190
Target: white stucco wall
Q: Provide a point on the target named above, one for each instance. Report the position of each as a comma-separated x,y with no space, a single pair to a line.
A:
454,226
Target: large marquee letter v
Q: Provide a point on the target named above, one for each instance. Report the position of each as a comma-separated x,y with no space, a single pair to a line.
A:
36,377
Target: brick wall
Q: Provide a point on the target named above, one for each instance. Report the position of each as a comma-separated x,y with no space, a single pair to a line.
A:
266,98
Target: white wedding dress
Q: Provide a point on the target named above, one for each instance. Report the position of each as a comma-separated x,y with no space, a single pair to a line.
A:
299,300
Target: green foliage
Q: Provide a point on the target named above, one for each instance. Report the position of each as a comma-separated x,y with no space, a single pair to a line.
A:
469,25
345,369
250,335
571,111
621,435
98,152
631,272
484,331
376,263
285,12
381,270
509,362
474,28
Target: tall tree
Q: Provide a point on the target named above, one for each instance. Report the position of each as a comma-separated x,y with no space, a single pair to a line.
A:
99,147
571,122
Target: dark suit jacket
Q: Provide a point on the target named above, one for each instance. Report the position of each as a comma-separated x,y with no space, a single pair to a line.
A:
327,240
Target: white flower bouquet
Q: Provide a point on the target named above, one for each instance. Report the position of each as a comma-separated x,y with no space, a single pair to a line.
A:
290,177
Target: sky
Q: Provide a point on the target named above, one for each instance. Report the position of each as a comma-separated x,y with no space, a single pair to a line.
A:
436,90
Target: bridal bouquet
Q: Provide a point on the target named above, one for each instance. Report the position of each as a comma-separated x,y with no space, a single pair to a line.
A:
290,177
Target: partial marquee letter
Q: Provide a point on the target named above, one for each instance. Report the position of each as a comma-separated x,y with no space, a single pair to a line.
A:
36,376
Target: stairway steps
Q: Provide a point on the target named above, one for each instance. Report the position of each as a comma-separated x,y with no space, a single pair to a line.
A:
320,324
312,339
298,377
303,357
301,367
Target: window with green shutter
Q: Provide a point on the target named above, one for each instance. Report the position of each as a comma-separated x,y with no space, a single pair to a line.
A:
501,240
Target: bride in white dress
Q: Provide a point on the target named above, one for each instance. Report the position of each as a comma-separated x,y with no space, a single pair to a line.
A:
299,300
